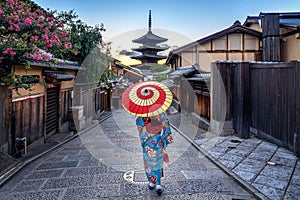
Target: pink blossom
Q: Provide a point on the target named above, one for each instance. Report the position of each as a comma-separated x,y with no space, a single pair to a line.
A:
16,18
27,54
47,57
39,26
45,37
68,45
50,19
12,3
9,87
34,38
37,56
9,51
10,28
1,11
27,21
49,43
35,48
64,34
17,27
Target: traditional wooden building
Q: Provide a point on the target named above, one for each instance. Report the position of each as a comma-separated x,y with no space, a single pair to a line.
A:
237,42
39,112
266,37
280,35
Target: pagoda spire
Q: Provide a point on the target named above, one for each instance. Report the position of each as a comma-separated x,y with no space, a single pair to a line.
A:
149,21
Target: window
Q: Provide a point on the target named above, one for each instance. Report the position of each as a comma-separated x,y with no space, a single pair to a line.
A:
235,42
220,44
251,44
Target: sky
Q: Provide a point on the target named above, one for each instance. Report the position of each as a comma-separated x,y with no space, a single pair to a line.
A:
181,21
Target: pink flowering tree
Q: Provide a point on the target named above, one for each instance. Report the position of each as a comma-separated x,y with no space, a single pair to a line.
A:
28,32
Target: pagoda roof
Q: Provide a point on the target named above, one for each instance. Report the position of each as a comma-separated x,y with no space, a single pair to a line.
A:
150,38
145,47
149,56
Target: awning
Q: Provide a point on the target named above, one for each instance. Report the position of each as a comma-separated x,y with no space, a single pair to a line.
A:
58,75
200,77
183,71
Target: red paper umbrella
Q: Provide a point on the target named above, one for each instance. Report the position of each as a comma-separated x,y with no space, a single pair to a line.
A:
146,99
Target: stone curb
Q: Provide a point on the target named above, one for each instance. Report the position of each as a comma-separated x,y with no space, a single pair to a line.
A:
16,168
238,179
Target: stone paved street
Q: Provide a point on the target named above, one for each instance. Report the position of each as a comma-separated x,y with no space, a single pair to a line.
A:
273,171
105,163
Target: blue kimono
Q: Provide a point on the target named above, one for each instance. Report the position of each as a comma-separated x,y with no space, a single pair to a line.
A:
155,135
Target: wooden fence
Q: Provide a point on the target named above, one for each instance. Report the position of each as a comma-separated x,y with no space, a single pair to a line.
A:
95,101
194,96
27,117
261,98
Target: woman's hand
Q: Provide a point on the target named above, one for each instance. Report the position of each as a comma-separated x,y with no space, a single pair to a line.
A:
140,129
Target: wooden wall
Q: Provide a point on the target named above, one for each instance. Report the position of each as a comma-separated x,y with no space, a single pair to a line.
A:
273,101
263,99
5,120
29,118
66,103
194,96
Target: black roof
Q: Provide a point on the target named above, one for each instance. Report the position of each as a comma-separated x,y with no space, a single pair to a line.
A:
183,71
59,65
146,47
149,56
58,75
290,19
150,38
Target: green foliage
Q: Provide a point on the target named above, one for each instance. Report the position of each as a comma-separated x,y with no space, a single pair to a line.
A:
83,36
161,77
159,68
28,32
107,74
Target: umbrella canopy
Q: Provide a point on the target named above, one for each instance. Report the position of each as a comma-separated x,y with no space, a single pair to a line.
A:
146,99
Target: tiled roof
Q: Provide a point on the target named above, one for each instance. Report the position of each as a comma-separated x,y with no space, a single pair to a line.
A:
286,19
145,47
183,71
149,56
293,22
58,75
150,38
58,65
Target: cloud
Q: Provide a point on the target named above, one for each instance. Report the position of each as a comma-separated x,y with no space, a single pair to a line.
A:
128,53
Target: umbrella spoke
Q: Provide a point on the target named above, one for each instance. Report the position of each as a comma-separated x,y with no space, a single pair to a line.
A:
147,98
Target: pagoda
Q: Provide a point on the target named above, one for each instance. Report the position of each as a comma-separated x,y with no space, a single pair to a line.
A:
149,48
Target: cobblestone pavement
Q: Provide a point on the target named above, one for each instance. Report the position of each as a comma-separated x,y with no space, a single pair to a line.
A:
274,171
105,163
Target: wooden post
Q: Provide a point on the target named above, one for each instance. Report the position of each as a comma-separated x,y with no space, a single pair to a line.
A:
241,99
221,99
109,98
270,37
2,136
297,110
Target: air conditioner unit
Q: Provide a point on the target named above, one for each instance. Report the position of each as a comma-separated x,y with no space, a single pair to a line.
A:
297,35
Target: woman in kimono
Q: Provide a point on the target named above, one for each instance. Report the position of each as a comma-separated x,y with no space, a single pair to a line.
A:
155,134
